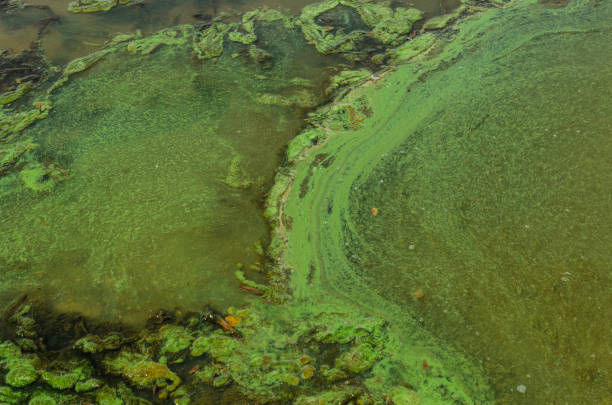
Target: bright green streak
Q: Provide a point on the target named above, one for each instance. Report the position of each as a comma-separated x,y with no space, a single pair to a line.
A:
492,179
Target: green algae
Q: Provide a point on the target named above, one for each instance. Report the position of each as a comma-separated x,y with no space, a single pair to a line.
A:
375,19
64,375
191,168
336,248
209,43
174,339
268,357
22,368
141,371
97,344
347,78
9,396
10,96
415,47
95,6
42,399
91,6
87,385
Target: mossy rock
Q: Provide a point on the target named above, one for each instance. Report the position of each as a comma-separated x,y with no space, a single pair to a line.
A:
42,399
97,344
88,385
64,375
10,396
21,374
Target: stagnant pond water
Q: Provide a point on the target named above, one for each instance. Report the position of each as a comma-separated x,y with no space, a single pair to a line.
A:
148,217
164,197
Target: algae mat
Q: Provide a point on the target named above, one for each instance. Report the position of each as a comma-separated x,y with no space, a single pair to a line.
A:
161,185
468,193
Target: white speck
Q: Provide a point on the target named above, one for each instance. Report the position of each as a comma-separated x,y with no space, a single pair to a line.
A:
564,279
527,226
592,355
567,210
381,180
567,273
411,247
521,388
157,165
577,131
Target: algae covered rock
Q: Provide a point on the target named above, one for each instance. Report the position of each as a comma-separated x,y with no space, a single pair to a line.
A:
141,371
88,385
97,344
22,370
64,375
42,399
10,396
21,374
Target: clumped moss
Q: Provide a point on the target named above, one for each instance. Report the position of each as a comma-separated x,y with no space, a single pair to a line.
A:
208,44
64,375
387,25
42,399
10,396
174,338
97,344
22,368
139,370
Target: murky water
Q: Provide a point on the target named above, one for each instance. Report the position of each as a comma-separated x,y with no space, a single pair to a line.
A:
73,35
499,243
494,219
166,186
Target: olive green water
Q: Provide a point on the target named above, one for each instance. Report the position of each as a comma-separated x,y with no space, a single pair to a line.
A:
489,173
488,162
169,159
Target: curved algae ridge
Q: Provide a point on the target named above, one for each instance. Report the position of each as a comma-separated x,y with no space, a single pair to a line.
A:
309,205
